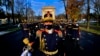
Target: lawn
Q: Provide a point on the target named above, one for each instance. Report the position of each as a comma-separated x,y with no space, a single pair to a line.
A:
93,28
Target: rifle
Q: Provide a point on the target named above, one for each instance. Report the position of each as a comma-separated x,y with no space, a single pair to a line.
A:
26,51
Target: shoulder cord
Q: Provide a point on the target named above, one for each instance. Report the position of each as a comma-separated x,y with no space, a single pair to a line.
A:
41,42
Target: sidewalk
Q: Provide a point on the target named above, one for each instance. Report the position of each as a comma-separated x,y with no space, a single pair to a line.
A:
8,31
4,32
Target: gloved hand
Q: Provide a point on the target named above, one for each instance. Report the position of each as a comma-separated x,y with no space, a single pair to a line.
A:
77,39
26,41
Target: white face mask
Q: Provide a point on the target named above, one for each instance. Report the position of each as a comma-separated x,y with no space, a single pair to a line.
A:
50,31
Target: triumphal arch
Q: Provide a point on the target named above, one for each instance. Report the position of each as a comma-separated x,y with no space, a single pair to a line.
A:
48,11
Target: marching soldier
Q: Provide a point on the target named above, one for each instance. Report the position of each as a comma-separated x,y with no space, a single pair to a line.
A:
75,31
75,37
25,29
62,27
72,37
48,42
68,31
68,44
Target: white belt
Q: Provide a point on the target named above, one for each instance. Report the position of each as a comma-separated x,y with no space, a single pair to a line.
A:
75,28
25,29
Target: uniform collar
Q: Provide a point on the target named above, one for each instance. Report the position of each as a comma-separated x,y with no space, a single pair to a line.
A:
49,31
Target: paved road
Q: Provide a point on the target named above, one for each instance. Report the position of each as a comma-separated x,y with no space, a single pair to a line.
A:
12,45
90,43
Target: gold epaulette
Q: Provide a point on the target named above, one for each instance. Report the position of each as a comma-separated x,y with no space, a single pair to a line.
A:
59,33
38,33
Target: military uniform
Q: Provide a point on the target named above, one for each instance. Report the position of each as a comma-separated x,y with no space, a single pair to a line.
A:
69,31
48,41
25,29
68,44
72,33
75,31
48,44
56,27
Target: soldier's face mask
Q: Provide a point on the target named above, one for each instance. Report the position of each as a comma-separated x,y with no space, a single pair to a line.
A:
48,27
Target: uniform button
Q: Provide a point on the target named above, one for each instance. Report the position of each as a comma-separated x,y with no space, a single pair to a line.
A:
44,35
56,39
45,43
46,47
56,35
44,39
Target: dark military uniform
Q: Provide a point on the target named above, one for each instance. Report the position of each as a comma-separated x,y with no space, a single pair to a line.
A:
25,29
75,31
68,44
56,27
48,44
75,38
62,27
69,31
41,26
72,33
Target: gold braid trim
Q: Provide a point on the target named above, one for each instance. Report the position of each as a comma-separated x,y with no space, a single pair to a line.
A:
41,39
50,53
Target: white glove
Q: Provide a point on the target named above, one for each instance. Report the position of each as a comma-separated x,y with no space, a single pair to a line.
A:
77,38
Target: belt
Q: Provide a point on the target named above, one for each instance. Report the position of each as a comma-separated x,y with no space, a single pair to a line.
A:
75,28
25,29
50,53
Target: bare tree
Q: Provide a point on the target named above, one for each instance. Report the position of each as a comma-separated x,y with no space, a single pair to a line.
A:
88,13
8,5
97,10
30,16
65,7
20,8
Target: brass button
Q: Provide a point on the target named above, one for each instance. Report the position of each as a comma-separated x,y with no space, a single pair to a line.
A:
46,47
44,39
45,43
44,35
56,39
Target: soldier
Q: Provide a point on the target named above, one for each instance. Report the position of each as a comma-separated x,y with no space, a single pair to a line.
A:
56,26
68,31
75,30
68,39
48,41
25,29
72,35
62,27
75,37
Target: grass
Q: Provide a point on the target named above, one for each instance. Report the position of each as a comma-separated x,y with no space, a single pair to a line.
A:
91,30
13,29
